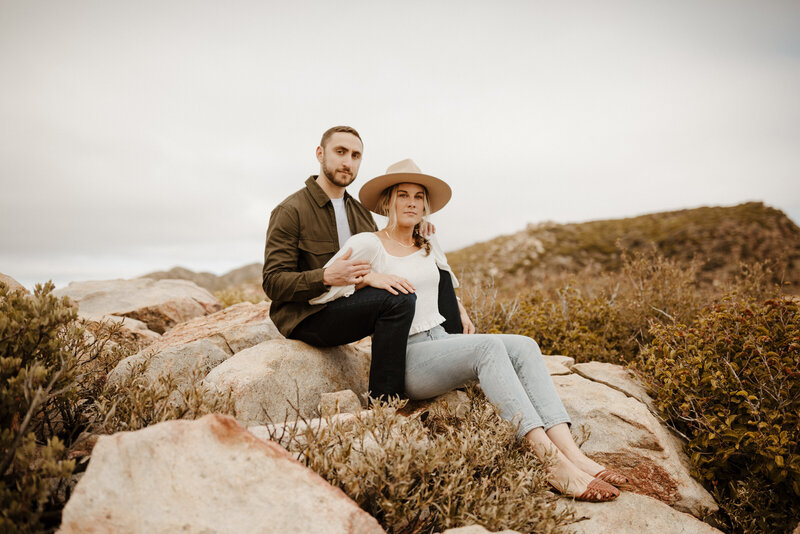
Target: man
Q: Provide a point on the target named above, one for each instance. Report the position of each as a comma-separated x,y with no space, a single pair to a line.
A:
305,231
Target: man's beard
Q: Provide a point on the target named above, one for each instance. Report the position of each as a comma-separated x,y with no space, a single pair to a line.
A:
330,174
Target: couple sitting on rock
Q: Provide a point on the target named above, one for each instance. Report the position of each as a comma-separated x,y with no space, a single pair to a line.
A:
395,285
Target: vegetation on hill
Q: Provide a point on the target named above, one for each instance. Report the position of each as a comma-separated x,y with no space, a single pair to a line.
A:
720,237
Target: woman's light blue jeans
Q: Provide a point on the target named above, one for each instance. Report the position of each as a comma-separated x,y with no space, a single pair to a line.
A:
510,369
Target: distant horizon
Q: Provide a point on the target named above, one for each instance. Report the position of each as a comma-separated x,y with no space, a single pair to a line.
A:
139,135
29,284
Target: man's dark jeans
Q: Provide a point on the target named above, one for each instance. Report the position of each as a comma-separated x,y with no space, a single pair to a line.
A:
368,311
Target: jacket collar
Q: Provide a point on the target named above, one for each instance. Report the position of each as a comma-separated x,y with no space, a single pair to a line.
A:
318,194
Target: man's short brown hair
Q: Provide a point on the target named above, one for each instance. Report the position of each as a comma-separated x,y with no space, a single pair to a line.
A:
330,131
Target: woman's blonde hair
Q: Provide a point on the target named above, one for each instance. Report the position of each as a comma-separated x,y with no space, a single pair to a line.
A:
385,207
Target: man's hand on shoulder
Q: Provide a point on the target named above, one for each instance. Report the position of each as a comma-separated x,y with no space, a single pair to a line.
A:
344,271
427,229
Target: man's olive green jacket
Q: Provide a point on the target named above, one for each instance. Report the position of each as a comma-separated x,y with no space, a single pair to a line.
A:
301,238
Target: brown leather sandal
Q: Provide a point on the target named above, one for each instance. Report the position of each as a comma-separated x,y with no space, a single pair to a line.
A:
596,491
612,477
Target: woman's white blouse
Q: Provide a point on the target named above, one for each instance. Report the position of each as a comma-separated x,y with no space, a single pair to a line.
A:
417,268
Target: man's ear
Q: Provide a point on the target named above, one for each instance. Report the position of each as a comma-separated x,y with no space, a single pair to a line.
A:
319,154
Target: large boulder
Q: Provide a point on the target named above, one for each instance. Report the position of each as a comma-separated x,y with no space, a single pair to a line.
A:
631,513
624,435
238,327
181,363
269,381
203,342
159,304
209,475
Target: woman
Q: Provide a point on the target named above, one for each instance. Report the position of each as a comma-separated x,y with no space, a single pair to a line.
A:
510,368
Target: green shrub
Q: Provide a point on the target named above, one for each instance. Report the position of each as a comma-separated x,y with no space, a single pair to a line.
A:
599,317
139,401
42,352
421,476
241,293
730,382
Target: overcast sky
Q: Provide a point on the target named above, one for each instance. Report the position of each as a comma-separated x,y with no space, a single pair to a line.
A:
140,135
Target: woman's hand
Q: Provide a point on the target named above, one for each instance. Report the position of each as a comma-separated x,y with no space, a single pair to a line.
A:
466,323
389,282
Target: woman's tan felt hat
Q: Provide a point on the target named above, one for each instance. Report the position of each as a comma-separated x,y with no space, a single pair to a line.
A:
405,171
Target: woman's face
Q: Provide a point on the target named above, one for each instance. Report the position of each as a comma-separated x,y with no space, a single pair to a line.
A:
409,204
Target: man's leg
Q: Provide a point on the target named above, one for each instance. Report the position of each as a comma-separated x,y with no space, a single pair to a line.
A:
368,311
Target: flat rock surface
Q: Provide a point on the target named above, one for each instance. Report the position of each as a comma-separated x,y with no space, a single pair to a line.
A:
617,377
624,435
160,304
635,514
205,476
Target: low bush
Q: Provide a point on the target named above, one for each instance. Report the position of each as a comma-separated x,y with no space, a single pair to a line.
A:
600,317
730,382
242,293
421,475
54,397
46,374
138,401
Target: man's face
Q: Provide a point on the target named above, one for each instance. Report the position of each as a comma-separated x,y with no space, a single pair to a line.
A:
340,158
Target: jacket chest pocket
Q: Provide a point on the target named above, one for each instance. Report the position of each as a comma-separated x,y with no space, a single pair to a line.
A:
314,253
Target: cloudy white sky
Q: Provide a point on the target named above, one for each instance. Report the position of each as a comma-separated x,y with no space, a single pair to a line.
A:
136,136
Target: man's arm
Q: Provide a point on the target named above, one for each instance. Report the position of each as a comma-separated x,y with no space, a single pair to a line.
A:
281,278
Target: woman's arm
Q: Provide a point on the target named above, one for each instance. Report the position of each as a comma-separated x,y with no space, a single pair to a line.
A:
364,246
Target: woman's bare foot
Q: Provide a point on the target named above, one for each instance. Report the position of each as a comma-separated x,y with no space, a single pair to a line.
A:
566,477
562,438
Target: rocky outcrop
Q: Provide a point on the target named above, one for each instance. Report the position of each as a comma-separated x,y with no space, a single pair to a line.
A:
237,327
12,284
616,377
268,381
203,342
624,435
159,304
631,513
209,475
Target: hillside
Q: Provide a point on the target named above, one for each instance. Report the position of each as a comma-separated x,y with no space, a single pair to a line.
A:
720,237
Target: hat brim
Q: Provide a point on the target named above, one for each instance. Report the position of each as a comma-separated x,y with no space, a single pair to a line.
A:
439,192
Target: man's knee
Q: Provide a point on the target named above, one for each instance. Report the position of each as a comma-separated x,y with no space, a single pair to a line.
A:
401,306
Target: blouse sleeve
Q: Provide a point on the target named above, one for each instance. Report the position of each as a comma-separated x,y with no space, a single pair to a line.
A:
366,246
441,259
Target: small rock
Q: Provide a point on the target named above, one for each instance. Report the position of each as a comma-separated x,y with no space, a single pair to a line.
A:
344,401
559,365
